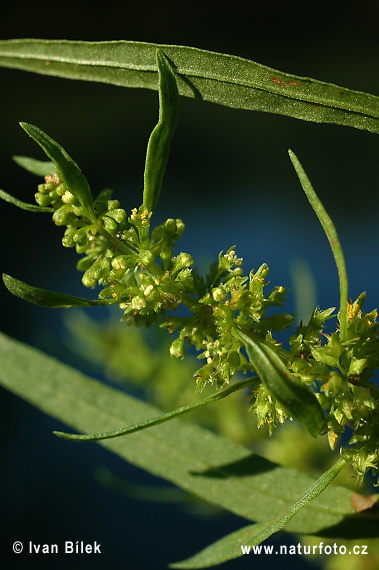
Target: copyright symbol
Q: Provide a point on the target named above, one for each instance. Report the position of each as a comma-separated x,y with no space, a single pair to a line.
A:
17,547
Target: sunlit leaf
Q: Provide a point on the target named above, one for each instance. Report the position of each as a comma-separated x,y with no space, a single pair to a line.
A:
66,167
224,79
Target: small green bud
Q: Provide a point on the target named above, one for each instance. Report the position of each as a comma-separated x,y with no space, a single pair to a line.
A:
80,237
146,257
68,238
176,348
109,224
179,226
60,216
61,190
68,198
165,254
42,188
138,303
42,200
88,279
120,262
119,215
182,261
170,226
218,294
112,204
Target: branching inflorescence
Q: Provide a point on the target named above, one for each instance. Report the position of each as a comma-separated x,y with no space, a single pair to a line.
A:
322,380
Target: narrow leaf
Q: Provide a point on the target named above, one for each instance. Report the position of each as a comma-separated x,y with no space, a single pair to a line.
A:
158,420
49,298
331,233
68,170
230,547
223,79
23,205
158,148
198,461
296,398
37,167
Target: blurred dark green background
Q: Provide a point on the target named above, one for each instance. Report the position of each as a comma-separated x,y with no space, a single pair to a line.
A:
229,178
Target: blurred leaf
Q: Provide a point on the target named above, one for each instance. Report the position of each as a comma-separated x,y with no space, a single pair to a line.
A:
224,79
198,461
48,298
37,167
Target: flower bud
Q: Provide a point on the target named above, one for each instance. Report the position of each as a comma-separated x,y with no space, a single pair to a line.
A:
120,262
170,226
119,215
81,237
112,204
176,348
146,257
109,224
218,294
182,261
68,238
138,303
42,199
68,198
60,216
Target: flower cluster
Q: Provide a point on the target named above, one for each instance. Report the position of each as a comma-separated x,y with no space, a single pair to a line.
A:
342,372
323,380
137,269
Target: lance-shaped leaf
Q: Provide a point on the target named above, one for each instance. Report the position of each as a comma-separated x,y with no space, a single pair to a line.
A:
239,542
220,395
220,78
296,398
159,143
49,298
331,233
23,205
197,460
66,167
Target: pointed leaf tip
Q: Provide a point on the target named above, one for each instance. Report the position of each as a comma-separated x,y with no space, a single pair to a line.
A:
66,167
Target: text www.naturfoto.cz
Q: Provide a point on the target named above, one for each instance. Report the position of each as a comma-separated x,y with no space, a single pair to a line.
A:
304,549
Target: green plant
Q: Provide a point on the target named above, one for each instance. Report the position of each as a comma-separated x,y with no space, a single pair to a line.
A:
322,380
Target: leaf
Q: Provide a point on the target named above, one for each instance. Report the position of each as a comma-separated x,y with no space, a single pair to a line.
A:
23,205
67,169
221,394
158,148
331,233
223,79
296,398
37,167
196,460
49,298
230,547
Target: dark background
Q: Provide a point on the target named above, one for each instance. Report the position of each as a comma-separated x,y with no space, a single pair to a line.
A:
229,178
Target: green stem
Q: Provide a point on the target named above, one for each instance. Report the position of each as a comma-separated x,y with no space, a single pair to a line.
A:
160,419
331,233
